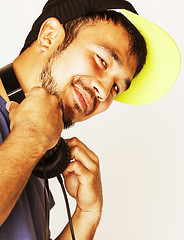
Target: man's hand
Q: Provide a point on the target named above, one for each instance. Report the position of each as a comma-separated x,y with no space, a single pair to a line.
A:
83,182
39,116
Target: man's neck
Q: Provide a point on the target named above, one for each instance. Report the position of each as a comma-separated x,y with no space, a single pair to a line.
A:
24,73
27,72
27,68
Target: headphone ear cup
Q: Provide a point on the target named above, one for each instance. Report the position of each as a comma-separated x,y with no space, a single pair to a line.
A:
54,161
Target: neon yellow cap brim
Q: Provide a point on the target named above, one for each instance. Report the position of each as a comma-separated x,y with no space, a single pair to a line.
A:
162,66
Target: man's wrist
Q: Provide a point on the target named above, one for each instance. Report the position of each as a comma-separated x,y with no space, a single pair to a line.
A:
91,217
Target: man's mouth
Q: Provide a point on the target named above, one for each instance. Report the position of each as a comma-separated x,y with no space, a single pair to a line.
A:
84,99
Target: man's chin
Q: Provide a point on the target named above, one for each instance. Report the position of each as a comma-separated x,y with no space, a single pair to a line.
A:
75,114
68,116
68,121
68,124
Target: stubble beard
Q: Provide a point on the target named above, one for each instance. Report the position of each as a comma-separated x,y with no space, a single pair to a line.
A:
50,85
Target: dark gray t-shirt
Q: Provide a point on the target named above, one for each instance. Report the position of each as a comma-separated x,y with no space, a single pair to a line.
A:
27,219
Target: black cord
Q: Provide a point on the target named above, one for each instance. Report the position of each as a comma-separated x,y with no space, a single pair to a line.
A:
67,206
46,192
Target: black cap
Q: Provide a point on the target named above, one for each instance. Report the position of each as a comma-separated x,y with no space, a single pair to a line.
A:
66,10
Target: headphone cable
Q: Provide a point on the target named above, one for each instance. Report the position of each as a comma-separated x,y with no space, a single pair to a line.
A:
67,206
46,193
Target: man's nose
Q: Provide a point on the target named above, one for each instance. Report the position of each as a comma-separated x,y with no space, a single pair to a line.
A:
102,88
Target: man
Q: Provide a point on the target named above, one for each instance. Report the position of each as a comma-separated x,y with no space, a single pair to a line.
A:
76,59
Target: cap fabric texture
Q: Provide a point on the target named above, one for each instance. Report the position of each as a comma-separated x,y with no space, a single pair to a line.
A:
163,60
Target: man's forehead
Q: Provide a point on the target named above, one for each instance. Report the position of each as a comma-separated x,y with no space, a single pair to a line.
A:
105,31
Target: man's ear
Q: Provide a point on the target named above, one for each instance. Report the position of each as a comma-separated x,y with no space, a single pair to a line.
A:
50,33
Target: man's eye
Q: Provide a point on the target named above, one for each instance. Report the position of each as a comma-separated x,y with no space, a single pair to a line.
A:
102,61
116,88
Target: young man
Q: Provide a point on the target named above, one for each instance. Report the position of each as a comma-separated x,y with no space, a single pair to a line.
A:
78,56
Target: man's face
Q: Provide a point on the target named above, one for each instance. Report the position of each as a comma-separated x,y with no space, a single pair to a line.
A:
91,71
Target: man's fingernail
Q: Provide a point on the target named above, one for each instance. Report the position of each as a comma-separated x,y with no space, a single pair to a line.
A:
8,106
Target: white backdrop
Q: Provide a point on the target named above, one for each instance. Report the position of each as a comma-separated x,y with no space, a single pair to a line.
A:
140,147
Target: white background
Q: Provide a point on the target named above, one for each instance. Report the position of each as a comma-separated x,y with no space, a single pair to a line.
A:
140,147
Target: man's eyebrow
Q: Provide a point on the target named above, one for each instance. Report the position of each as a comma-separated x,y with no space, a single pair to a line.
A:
113,53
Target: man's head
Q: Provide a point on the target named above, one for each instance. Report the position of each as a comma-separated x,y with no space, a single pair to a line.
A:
96,59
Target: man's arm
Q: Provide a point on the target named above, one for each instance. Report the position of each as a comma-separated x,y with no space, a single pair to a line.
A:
83,182
36,125
16,164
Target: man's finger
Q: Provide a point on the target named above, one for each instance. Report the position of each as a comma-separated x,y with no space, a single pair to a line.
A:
11,105
11,108
75,142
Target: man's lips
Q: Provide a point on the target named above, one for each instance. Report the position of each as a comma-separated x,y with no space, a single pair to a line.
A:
84,99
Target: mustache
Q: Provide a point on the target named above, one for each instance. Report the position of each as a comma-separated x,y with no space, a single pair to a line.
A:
79,81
